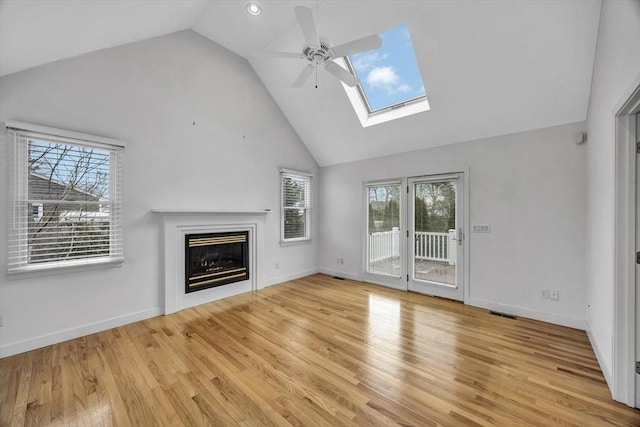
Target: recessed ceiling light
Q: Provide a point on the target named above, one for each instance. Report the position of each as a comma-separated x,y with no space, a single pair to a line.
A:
253,9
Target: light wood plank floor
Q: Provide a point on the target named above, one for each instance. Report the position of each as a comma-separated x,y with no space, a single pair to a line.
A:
317,352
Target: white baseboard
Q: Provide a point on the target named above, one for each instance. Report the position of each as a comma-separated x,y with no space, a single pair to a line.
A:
80,331
342,274
556,319
606,370
288,277
18,347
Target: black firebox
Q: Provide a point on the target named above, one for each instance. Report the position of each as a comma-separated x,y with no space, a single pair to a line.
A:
215,259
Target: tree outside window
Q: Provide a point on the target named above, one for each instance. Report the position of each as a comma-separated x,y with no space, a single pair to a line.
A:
296,204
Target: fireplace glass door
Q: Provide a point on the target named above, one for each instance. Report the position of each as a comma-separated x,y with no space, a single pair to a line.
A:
215,259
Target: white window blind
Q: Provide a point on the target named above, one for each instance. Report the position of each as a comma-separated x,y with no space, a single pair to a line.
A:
66,199
295,212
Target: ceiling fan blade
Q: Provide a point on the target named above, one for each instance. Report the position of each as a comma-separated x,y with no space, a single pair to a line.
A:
304,75
281,54
357,46
346,77
308,25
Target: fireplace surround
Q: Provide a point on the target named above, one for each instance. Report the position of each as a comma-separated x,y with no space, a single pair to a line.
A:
178,223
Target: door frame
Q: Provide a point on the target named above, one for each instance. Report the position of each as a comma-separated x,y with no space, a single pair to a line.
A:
625,310
466,228
461,209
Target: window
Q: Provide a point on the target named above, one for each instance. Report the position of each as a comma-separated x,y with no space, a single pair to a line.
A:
390,82
66,198
295,214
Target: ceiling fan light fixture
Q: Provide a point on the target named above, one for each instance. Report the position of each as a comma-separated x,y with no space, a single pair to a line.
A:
253,8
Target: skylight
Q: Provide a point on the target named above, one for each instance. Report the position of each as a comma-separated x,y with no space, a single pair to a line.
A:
389,79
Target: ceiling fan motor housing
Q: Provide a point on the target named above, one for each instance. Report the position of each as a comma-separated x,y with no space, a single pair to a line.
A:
318,54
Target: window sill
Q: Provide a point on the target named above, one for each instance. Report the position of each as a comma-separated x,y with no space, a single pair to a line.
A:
47,269
294,242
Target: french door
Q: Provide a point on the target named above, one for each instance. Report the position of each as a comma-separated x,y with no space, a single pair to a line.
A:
436,237
414,238
385,259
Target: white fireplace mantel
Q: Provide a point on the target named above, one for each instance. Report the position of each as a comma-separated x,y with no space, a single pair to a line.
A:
182,211
180,222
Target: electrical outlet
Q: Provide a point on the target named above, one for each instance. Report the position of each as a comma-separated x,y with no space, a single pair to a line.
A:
554,295
339,260
1,320
544,293
277,266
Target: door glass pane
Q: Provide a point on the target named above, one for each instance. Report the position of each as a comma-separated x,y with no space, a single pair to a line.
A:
383,232
435,232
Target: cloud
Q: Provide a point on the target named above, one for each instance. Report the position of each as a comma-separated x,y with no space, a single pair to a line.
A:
386,79
366,61
382,76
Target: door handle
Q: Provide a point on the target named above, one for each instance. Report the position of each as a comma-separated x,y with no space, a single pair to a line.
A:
459,236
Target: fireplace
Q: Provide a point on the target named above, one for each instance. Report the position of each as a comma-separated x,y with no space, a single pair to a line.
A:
180,222
215,259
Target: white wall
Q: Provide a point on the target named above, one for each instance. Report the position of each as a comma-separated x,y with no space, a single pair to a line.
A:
529,187
617,66
150,94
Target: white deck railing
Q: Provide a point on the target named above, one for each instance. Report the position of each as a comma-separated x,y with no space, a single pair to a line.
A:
384,245
428,246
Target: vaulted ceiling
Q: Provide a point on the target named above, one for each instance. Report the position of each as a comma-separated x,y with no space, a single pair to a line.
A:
489,67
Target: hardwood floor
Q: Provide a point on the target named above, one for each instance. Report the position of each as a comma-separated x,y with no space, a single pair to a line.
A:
317,352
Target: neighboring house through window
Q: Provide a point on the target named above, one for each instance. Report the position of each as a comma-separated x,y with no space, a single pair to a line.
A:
295,212
66,198
38,211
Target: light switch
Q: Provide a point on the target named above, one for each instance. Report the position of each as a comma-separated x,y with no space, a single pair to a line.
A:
481,228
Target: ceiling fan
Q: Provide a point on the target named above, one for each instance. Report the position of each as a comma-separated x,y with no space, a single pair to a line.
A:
319,51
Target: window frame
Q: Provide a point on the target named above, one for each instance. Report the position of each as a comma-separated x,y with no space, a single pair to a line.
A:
19,198
367,118
359,101
365,100
308,205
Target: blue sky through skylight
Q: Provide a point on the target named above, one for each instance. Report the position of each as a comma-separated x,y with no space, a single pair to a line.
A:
389,75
